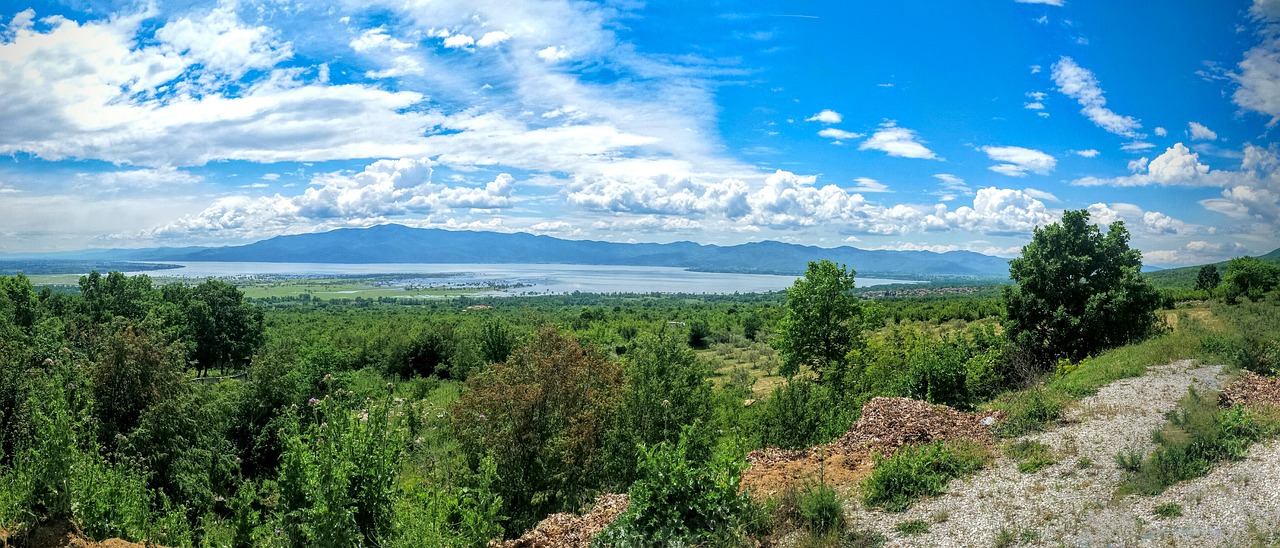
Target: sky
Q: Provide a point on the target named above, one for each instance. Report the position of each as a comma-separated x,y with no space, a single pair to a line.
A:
913,124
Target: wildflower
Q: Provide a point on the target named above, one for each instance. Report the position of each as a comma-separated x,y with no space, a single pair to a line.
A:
482,417
313,401
328,376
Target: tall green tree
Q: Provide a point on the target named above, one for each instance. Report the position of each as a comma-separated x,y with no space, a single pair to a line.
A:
822,323
1250,277
1208,278
1078,291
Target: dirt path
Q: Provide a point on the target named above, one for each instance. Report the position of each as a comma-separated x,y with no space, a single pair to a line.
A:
1070,503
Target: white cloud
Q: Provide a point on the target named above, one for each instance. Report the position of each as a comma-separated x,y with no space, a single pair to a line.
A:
385,188
1138,165
377,39
1019,161
1134,146
1160,223
552,226
1040,195
839,134
1087,153
898,141
137,179
867,184
1161,132
1178,165
1080,84
995,211
1045,2
492,38
1035,69
459,41
827,116
951,187
1033,106
1199,132
1259,71
552,54
1101,214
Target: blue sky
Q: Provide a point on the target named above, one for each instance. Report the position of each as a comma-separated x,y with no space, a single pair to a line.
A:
882,125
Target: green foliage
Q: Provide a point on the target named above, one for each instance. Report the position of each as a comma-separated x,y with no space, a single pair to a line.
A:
912,527
919,471
450,513
822,322
1249,277
1208,278
496,341
1168,510
337,475
543,415
679,502
699,332
802,413
1198,436
665,389
1078,291
1029,411
1032,455
132,373
821,509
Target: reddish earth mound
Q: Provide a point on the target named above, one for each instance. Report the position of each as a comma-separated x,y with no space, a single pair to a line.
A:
1251,388
886,425
570,530
65,534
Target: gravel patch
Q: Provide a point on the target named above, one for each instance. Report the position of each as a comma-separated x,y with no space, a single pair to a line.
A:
1071,502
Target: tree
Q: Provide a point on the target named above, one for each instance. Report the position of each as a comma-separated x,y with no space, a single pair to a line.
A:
822,322
542,415
1250,277
1078,291
1208,278
226,330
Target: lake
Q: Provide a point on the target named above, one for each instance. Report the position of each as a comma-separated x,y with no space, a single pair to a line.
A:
521,279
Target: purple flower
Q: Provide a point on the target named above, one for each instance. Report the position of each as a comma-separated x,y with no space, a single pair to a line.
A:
313,401
482,416
277,532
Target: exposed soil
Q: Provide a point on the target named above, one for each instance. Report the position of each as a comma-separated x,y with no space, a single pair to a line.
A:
570,530
886,425
64,534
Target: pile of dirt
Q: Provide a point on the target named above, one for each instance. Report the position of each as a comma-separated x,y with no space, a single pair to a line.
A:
1251,388
886,425
65,534
570,530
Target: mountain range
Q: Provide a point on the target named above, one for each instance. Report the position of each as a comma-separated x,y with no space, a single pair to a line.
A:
393,243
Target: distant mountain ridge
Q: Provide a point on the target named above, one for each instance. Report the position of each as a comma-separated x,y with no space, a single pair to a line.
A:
393,243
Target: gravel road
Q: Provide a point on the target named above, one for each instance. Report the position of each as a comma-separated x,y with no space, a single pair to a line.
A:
1071,503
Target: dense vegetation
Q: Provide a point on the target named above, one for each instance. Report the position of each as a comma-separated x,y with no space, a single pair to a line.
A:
453,422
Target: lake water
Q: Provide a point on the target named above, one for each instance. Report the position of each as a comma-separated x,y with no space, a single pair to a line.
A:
531,278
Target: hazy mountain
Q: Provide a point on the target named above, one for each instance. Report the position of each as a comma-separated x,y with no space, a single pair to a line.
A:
400,244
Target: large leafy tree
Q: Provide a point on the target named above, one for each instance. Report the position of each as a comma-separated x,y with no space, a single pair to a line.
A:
1250,277
822,322
1078,291
1208,278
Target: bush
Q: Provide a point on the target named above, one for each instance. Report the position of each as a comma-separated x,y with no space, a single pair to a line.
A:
919,471
1028,411
677,502
821,509
801,414
1168,510
912,527
543,416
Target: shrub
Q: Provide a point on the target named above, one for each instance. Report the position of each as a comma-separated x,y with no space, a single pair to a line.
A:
1168,510
676,502
1029,411
912,527
919,471
803,413
543,416
821,509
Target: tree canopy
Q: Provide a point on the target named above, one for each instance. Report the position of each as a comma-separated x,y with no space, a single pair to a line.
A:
1250,277
1078,291
822,321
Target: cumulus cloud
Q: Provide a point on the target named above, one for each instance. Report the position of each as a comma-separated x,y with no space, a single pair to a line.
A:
995,211
492,38
1161,132
1201,133
1080,84
383,189
1087,153
898,141
827,116
1019,161
459,41
1178,165
839,134
377,39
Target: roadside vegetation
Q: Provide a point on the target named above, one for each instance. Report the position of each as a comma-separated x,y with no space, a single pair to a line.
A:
384,422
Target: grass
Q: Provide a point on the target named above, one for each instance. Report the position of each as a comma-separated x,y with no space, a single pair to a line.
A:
1032,456
1198,436
1168,510
912,527
919,471
1034,409
1007,537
